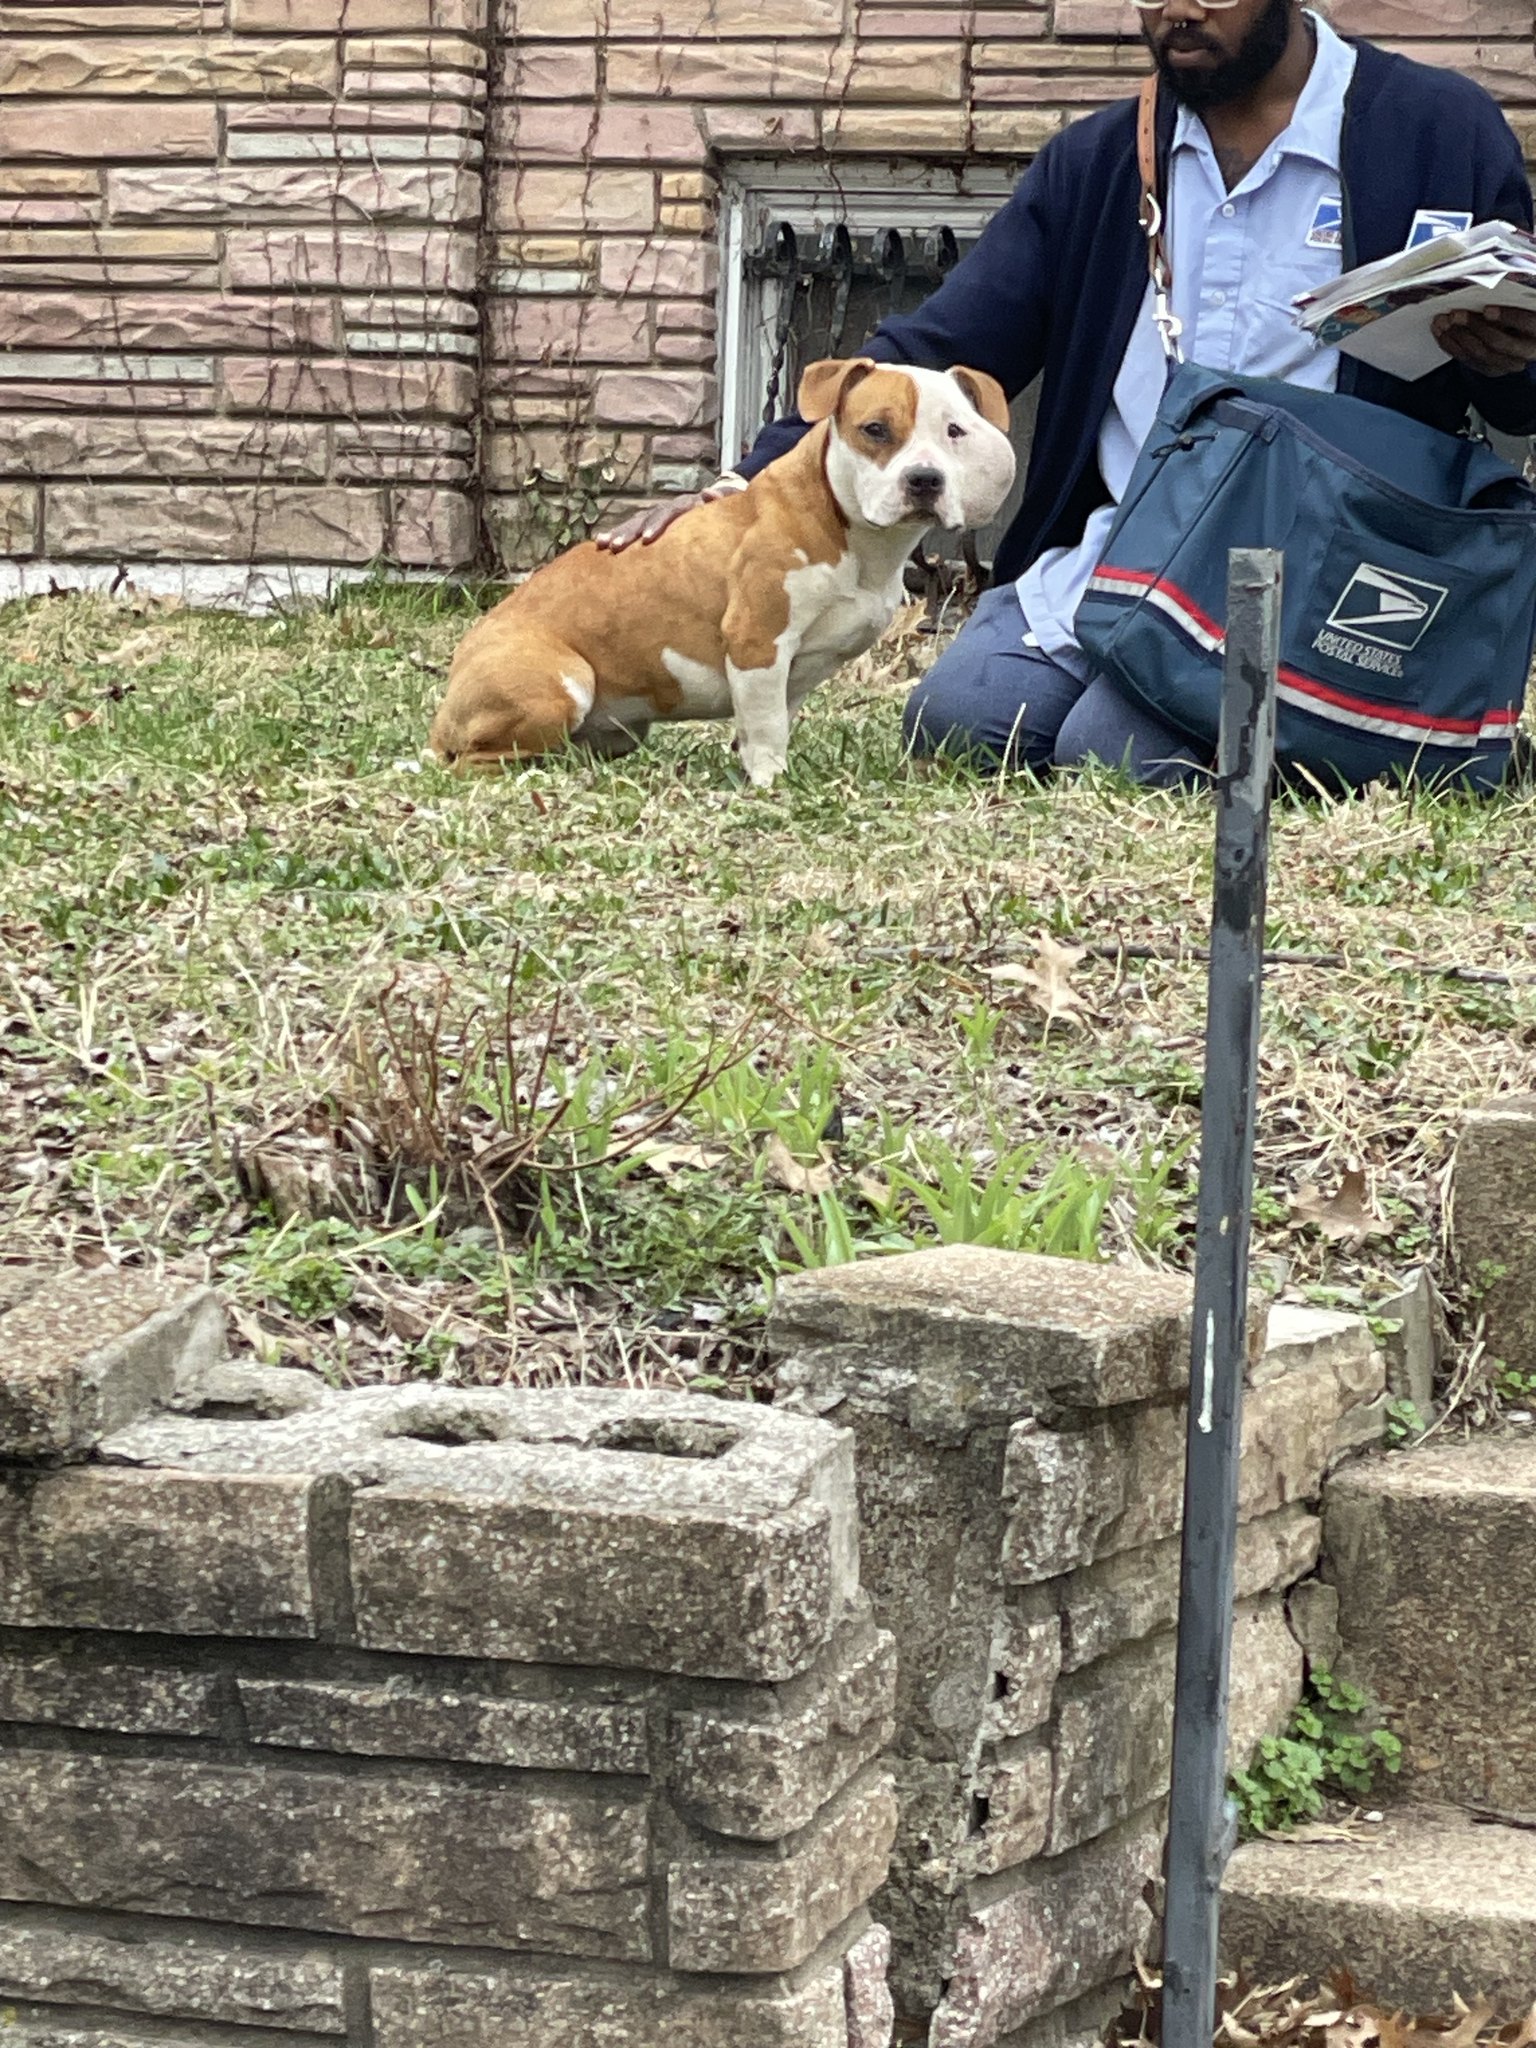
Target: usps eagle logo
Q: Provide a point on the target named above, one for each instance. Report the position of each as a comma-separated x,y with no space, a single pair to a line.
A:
1387,608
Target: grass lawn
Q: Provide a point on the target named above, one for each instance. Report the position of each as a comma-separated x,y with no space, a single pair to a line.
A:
547,1075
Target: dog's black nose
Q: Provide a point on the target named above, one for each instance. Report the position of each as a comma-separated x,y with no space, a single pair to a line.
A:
924,483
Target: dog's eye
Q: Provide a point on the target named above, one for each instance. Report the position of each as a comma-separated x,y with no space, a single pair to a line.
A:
876,430
956,431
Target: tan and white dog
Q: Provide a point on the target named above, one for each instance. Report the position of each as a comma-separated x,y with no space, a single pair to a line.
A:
743,605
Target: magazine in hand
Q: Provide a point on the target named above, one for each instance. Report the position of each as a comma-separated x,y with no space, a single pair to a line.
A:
1384,312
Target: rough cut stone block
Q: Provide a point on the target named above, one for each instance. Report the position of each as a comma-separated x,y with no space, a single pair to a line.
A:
407,1858
20,516
772,1912
952,1339
1118,1485
189,522
165,130
547,131
330,17
654,398
1017,1796
177,320
1299,1335
671,267
768,1778
173,67
198,1977
871,2013
1136,1593
86,1354
1069,1925
108,245
663,1532
351,389
1113,1734
432,2007
1494,1220
1427,1552
404,259
411,53
85,1690
1430,1907
288,192
784,130
400,1718
179,1553
1025,1663
586,330
547,201
97,445
628,18
1413,1348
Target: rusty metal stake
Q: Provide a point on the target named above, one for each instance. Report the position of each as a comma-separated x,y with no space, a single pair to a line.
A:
1203,1823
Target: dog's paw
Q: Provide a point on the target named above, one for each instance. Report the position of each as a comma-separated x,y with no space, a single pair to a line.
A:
763,768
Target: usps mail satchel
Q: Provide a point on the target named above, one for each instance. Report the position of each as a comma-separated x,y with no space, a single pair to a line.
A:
1410,568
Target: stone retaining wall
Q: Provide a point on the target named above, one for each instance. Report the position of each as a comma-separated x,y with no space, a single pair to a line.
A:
423,1720
292,285
1019,1425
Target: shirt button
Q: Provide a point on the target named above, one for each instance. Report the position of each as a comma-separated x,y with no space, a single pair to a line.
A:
1218,298
1229,210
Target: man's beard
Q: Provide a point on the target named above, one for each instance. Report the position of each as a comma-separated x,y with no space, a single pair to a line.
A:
1257,55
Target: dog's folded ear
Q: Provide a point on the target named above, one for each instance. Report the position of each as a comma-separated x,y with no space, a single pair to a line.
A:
824,385
985,393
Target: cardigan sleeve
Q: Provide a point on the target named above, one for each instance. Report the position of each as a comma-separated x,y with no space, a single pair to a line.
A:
991,313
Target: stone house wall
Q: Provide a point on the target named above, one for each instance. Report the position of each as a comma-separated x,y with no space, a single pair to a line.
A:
293,285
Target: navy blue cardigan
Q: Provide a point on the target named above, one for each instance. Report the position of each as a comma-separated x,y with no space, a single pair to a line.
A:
1056,282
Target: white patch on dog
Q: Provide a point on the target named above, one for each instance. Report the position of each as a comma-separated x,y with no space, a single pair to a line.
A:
706,693
581,694
975,459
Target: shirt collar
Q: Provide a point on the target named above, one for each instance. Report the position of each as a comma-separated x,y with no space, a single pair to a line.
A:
1318,118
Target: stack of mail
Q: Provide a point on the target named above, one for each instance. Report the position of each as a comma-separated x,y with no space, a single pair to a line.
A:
1384,312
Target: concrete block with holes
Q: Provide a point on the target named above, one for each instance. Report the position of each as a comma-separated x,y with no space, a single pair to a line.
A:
408,1717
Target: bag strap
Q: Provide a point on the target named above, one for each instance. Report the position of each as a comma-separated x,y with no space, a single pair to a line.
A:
1168,324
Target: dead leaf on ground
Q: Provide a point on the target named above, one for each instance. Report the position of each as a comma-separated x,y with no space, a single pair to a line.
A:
1346,1217
1048,984
73,720
876,1192
136,648
786,1171
666,1160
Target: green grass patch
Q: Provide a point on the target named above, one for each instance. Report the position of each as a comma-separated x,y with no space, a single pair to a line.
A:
740,1034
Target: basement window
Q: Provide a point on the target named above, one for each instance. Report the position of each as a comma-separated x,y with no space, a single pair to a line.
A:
816,257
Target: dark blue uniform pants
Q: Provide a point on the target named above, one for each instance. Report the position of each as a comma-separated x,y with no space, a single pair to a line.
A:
1000,702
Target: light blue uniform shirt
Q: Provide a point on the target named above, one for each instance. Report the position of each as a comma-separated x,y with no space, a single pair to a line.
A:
1238,260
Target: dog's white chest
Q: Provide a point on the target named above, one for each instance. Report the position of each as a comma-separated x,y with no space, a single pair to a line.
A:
836,614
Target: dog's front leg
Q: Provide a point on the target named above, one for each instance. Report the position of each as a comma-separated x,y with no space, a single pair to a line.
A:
760,701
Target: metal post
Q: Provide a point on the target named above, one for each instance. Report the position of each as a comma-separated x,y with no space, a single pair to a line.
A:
1202,1826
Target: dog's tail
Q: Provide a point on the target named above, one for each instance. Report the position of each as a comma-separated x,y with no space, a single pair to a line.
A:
512,694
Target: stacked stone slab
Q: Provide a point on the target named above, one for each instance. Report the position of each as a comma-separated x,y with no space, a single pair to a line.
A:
423,1720
1019,1426
1426,1558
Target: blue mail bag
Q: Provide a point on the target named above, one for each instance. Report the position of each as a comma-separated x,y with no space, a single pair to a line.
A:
1410,578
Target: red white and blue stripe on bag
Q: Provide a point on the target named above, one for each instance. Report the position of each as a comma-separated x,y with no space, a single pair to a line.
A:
1306,693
